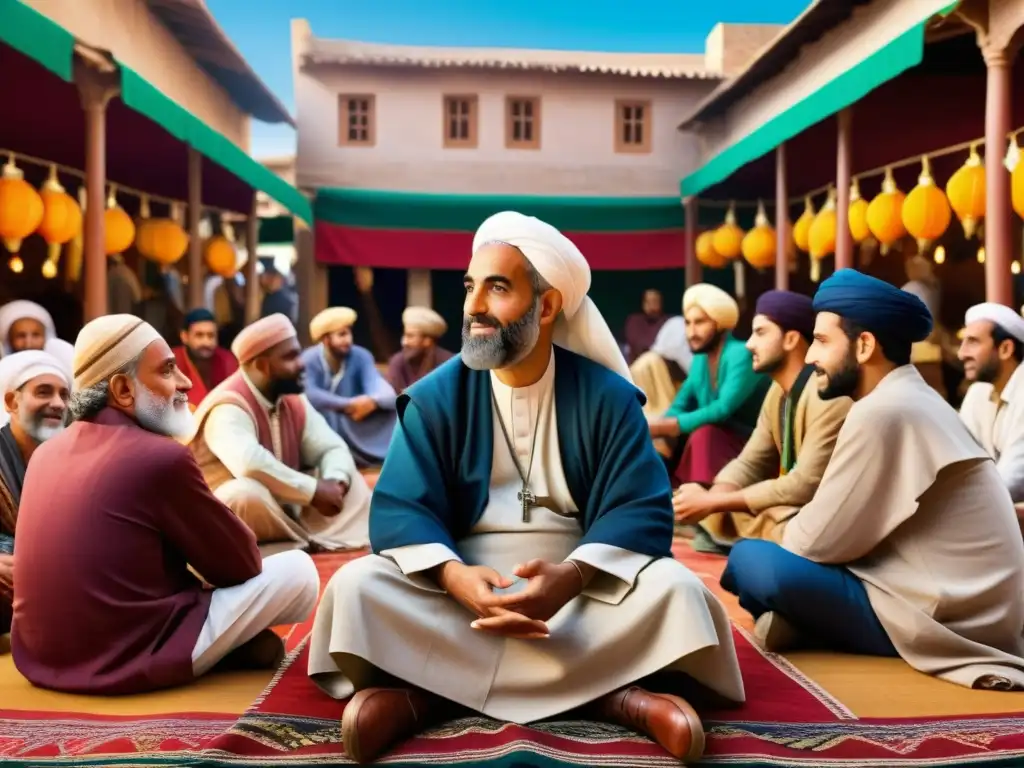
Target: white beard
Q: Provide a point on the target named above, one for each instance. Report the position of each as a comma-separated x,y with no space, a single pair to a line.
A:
165,417
35,429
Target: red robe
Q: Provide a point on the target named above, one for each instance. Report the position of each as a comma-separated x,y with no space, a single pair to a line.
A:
105,603
222,365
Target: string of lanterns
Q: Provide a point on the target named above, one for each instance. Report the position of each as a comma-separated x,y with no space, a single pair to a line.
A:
58,218
924,213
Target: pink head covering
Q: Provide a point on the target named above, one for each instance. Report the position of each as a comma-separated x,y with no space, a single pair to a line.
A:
265,333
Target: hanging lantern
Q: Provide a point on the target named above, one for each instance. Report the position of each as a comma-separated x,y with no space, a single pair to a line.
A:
161,240
966,192
759,243
858,215
728,238
926,212
118,227
21,208
220,256
822,234
1016,178
706,253
885,213
62,218
802,227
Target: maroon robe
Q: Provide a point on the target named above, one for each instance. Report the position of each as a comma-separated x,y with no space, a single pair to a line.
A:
641,331
222,365
110,517
402,374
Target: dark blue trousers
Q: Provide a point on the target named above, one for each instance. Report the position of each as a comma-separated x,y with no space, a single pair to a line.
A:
825,603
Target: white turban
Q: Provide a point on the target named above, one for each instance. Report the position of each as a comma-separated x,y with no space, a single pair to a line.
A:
21,367
581,328
65,354
1002,316
107,344
424,320
21,309
715,303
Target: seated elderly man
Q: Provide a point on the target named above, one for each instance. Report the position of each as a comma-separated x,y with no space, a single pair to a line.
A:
910,546
35,388
105,599
420,353
522,531
782,463
716,409
344,385
271,457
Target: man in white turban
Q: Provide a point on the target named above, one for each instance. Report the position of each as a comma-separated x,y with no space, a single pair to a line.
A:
715,410
271,456
24,325
115,522
992,349
422,329
521,530
35,388
344,385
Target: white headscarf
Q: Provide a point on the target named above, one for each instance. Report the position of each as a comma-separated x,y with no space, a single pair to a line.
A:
18,368
581,328
21,309
1004,317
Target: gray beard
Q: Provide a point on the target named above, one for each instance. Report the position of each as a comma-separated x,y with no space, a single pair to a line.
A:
507,347
34,427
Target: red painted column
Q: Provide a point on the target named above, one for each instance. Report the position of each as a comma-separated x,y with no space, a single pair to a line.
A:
781,221
998,213
844,177
694,273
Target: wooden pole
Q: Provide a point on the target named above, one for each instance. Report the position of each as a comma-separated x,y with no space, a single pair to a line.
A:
781,221
694,272
195,214
252,283
998,214
844,177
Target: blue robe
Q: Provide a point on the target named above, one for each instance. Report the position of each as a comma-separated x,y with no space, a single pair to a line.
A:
435,481
367,439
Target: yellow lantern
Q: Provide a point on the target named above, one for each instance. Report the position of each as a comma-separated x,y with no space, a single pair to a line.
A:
1017,179
21,208
62,218
706,253
966,192
161,240
759,243
885,213
118,227
926,212
822,234
728,238
858,215
802,227
220,256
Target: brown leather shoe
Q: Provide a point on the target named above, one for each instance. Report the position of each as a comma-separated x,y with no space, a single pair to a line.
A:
668,720
377,719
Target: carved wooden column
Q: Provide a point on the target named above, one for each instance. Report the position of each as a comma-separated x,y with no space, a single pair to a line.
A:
694,273
844,177
781,221
195,214
252,280
95,90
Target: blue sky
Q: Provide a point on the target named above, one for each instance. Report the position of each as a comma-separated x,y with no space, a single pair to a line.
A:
260,30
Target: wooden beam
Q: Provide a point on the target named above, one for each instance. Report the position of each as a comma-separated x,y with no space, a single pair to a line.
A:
781,220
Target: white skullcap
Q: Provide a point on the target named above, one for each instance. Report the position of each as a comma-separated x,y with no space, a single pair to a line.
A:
19,368
107,344
581,329
424,320
21,309
1002,316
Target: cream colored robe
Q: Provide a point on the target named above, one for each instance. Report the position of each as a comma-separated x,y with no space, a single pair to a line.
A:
637,616
997,422
916,509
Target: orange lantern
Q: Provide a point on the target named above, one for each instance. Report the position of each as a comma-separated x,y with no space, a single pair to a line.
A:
885,213
728,238
161,240
62,218
759,243
926,211
706,253
822,235
858,215
21,207
220,256
1016,177
966,192
802,227
118,227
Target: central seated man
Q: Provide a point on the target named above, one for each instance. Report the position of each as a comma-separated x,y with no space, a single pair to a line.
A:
521,530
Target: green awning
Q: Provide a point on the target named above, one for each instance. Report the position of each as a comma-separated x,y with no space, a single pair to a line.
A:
31,33
901,54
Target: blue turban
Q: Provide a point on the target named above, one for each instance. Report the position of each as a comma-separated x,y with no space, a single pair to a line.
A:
884,310
790,311
198,315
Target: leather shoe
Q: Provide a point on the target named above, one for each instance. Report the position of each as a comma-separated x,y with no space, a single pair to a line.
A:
377,719
668,720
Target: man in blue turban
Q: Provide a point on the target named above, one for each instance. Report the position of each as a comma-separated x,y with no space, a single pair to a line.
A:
910,546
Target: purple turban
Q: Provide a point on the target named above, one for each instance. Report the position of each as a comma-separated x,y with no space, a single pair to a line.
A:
790,311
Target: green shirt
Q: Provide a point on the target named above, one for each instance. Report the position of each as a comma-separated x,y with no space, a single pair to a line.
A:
736,399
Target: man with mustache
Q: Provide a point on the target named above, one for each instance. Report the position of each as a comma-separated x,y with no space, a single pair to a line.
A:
270,456
200,358
522,531
991,349
35,388
114,524
420,353
25,325
344,385
780,467
715,410
910,546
